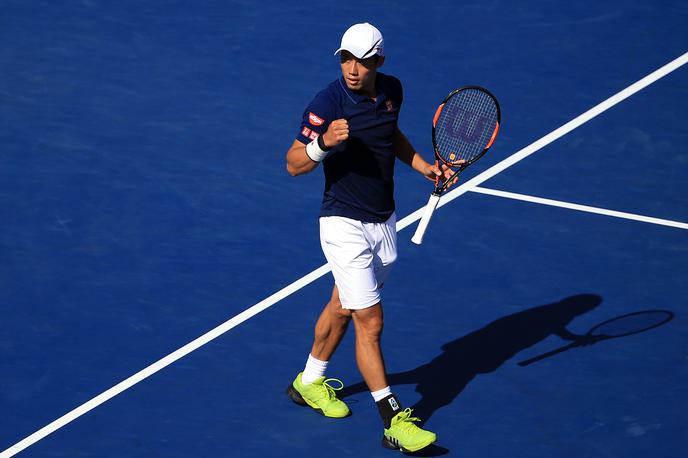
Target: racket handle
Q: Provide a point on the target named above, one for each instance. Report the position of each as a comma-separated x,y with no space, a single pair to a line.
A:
425,220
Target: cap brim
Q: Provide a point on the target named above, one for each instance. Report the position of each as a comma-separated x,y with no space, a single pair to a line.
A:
344,49
371,53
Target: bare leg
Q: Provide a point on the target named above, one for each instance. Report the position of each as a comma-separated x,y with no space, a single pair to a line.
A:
368,324
330,328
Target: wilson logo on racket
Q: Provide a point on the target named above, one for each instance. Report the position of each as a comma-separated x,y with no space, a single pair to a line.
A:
466,126
315,119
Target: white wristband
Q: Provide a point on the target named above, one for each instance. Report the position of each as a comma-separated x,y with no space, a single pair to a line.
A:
314,151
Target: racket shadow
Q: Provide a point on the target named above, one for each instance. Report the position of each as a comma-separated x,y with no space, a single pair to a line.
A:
441,380
614,328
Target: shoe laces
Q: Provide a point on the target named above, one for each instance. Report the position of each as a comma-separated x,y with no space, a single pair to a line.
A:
329,391
405,421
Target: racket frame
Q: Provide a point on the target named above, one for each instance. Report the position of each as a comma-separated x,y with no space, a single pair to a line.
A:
433,202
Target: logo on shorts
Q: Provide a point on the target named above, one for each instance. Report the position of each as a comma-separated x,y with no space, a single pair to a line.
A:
393,404
315,119
306,132
313,135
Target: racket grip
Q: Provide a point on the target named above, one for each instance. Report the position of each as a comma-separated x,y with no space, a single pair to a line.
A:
425,220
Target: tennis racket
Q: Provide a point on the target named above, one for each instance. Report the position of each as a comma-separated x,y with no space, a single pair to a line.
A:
621,326
464,128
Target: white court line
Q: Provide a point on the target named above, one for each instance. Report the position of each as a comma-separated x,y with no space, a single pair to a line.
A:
301,283
583,208
166,361
549,138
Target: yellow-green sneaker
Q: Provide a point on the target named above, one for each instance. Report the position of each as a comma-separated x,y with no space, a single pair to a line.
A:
320,395
404,435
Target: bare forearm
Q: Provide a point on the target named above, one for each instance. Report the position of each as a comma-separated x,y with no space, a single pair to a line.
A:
298,161
407,154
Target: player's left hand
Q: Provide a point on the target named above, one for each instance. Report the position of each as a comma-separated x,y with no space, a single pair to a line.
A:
444,172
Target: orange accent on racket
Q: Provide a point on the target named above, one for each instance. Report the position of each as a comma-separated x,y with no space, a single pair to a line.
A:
437,115
494,135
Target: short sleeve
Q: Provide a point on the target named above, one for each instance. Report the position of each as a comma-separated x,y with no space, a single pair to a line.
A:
317,117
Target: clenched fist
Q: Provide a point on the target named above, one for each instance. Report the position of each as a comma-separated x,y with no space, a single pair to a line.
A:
337,132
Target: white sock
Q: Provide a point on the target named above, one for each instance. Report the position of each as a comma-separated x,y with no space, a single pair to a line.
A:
381,394
314,369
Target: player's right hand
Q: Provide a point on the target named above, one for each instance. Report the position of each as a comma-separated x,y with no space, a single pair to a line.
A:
337,132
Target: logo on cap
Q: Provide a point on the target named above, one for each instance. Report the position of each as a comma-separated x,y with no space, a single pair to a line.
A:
315,119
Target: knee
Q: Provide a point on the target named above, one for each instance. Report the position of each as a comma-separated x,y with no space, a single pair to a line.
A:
369,327
338,312
374,328
343,315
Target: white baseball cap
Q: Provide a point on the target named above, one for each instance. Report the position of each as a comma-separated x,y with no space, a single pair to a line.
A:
362,40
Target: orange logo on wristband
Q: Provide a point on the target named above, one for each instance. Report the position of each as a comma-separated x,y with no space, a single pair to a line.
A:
315,119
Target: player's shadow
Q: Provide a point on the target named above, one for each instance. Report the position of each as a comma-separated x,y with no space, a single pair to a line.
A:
441,380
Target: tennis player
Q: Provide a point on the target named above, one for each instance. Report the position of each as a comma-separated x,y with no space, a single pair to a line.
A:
351,128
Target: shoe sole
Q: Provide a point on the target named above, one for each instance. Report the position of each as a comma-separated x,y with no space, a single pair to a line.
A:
386,443
296,396
298,399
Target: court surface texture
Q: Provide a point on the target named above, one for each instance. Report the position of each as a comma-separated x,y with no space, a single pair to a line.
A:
161,272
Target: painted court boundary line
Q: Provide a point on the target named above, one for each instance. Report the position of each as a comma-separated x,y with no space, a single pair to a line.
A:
552,136
319,272
583,208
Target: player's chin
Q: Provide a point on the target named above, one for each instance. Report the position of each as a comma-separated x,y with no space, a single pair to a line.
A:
354,85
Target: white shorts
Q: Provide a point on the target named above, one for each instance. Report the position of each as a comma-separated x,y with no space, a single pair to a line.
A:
360,255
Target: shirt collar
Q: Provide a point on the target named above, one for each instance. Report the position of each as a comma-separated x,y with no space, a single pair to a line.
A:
358,98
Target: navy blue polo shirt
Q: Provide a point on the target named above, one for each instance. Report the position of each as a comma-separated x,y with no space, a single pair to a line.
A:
359,173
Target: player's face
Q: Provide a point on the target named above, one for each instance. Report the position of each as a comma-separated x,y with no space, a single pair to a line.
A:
359,74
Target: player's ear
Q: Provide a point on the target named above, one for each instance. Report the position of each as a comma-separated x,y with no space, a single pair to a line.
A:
380,60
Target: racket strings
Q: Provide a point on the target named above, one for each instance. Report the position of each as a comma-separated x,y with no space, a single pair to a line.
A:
465,125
